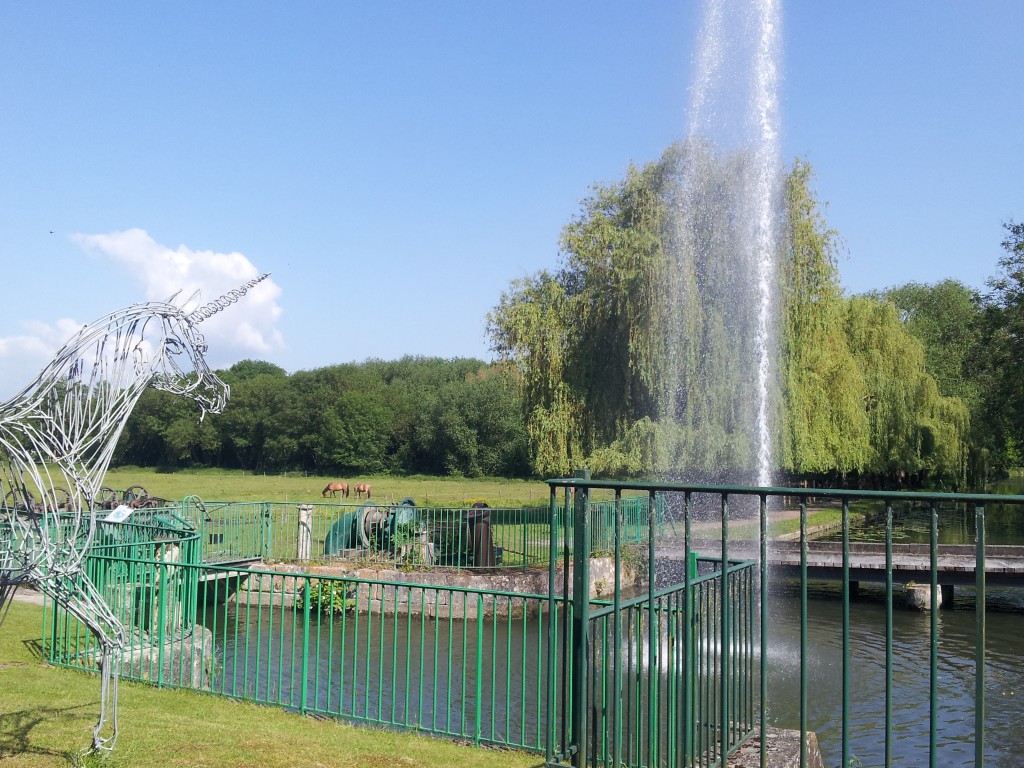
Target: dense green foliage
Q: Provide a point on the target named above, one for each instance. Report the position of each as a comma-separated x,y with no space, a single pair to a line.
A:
1000,357
974,348
425,415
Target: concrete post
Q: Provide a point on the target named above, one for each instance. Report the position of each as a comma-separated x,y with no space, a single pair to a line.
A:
305,537
919,596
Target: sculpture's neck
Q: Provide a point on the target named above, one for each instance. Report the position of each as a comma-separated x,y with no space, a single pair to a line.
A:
72,415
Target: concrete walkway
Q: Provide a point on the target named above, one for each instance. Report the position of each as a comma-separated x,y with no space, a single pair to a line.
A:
26,595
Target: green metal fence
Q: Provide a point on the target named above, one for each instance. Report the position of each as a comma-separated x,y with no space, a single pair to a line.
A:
450,661
480,664
862,720
147,571
645,654
660,677
400,534
655,687
456,662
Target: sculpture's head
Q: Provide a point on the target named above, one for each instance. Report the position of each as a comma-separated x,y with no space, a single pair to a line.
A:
182,368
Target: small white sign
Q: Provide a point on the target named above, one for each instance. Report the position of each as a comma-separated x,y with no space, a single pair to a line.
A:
119,514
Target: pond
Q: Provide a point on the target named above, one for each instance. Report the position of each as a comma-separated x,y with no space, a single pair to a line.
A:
956,675
1004,524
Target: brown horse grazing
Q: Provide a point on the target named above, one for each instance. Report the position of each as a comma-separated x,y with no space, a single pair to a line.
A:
362,488
334,488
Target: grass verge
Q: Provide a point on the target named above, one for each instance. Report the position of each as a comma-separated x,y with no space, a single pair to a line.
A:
47,715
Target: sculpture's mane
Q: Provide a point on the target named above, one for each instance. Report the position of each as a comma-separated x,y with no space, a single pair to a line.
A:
105,356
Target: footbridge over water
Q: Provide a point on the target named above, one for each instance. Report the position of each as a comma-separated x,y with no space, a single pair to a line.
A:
954,563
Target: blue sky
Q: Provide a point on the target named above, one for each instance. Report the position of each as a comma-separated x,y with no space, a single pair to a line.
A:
396,165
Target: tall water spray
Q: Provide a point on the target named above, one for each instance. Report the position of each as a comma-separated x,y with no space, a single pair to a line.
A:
721,281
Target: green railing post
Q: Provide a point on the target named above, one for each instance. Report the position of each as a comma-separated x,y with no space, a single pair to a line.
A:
979,642
724,680
565,657
803,632
161,618
580,619
616,696
689,645
307,600
888,633
552,555
933,677
846,634
763,537
690,649
653,662
478,692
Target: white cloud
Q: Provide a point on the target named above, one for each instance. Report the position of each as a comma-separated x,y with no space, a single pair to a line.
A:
247,328
22,357
41,339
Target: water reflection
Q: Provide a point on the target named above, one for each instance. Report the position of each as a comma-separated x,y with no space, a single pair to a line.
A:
1004,671
1004,523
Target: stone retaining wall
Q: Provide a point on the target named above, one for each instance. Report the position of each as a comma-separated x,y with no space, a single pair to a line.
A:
385,590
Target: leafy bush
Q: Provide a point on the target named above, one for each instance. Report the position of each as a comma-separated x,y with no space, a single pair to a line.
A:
326,596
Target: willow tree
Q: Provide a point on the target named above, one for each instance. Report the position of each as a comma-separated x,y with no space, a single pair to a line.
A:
629,353
914,430
531,328
612,274
859,397
827,428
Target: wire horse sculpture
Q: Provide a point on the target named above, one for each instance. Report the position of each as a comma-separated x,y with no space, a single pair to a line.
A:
62,429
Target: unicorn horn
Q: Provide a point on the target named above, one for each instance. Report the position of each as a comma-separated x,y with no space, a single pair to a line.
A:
226,300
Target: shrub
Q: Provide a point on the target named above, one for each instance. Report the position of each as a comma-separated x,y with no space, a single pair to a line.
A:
326,596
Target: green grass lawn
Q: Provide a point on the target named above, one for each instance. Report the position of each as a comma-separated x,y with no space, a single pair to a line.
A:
240,486
47,715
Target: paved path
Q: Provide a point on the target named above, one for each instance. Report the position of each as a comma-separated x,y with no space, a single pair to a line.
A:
26,595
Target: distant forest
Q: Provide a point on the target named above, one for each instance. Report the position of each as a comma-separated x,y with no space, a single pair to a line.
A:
458,417
915,386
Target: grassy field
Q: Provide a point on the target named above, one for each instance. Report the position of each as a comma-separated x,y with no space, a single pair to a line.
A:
47,715
225,485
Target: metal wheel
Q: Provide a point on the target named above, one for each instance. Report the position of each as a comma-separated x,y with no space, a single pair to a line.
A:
135,493
107,498
59,498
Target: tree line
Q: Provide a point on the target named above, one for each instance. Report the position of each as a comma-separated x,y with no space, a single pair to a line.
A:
624,359
414,415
